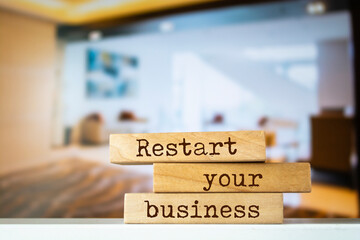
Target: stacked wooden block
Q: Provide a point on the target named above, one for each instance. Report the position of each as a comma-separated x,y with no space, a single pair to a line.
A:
209,177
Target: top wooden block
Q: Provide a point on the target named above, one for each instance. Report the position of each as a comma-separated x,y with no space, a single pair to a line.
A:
239,146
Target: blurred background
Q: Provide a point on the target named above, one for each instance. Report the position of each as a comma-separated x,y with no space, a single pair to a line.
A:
74,71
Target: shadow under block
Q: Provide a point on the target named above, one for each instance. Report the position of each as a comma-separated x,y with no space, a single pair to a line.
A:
238,146
203,208
232,177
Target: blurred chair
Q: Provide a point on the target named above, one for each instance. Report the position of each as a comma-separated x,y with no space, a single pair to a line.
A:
332,149
95,130
92,130
280,136
270,138
332,142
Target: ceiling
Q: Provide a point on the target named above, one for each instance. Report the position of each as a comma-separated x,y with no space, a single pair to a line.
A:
231,39
86,11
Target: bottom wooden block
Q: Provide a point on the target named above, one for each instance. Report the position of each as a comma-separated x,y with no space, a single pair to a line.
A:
203,208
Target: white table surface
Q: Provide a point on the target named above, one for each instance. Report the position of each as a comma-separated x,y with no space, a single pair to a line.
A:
304,229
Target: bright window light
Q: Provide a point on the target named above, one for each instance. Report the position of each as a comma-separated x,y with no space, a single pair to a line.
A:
315,8
304,74
282,53
95,35
166,27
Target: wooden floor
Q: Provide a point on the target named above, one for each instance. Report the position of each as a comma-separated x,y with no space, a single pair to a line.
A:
82,188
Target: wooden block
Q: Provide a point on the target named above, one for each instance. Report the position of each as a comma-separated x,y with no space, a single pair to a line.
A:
203,208
232,177
240,146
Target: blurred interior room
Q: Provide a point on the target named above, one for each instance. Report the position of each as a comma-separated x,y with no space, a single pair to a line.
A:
74,71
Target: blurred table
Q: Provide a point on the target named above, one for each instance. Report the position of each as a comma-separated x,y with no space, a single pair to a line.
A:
304,229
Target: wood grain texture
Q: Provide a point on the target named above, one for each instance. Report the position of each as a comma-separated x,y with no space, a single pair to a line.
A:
203,208
70,188
239,146
232,177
